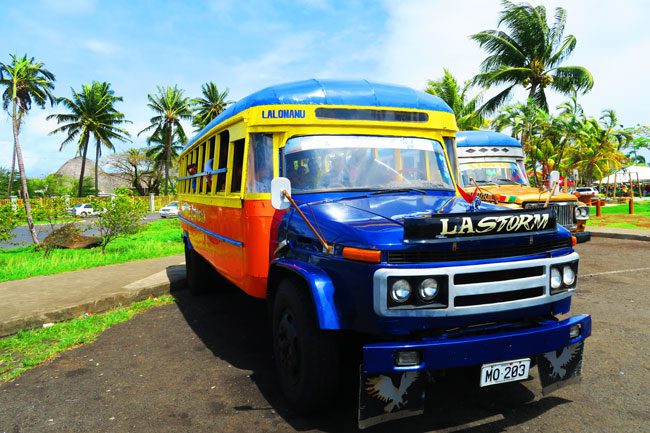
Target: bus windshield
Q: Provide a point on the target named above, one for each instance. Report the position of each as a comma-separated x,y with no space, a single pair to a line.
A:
484,173
351,162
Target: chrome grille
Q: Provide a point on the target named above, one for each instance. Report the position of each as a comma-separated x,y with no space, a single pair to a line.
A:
564,212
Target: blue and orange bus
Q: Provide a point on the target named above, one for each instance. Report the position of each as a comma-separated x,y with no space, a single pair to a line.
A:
337,202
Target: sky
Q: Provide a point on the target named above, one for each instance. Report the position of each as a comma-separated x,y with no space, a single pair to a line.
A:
137,45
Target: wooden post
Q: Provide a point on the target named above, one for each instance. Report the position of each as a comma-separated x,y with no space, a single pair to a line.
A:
598,213
631,205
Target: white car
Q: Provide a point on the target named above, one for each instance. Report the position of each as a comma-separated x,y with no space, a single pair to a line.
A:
82,210
169,211
587,191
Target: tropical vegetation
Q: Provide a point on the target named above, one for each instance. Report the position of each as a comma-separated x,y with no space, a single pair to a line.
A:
457,97
26,81
209,106
92,114
171,106
530,53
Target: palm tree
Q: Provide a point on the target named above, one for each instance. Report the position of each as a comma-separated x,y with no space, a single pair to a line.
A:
26,81
530,55
210,106
598,148
92,113
447,88
107,128
170,107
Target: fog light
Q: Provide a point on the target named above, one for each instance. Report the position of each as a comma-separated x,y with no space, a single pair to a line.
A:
406,358
574,331
568,276
556,278
400,291
428,289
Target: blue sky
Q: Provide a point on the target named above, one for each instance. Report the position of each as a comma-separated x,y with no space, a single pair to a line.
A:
246,45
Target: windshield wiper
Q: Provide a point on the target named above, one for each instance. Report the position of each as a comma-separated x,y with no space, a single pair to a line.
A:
390,191
507,181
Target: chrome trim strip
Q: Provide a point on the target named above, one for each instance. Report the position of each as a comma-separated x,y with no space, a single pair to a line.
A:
209,233
380,287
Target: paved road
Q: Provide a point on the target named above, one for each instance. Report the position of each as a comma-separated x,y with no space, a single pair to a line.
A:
205,365
22,236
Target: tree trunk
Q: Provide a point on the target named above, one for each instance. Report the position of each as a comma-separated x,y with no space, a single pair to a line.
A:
10,185
23,178
168,156
97,167
84,145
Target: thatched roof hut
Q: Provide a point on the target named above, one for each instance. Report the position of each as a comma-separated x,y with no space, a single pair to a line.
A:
107,181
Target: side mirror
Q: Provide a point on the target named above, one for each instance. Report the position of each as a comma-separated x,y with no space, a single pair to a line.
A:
278,200
554,179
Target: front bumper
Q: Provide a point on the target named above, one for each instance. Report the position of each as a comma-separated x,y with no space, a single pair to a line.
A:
444,352
582,237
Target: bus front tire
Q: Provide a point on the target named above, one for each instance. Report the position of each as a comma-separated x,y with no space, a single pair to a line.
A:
197,271
306,358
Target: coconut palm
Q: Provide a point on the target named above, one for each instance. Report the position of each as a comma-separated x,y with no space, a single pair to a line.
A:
598,147
210,106
530,54
92,113
456,96
170,107
26,81
108,129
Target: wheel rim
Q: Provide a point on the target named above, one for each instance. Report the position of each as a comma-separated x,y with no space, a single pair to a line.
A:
289,347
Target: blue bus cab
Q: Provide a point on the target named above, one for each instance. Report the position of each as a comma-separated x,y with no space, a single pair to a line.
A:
357,228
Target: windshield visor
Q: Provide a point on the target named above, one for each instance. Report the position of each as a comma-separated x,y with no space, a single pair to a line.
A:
350,162
500,173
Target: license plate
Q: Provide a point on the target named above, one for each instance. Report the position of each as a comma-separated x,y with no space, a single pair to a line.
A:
506,371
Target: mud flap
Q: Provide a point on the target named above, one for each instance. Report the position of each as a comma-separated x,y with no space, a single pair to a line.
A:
560,368
384,397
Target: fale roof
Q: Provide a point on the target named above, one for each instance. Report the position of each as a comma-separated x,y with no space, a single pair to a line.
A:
333,92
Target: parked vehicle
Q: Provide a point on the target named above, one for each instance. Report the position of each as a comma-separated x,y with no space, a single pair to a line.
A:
335,201
587,191
83,210
493,163
170,210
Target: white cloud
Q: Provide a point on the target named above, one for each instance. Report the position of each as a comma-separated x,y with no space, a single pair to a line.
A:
424,36
101,47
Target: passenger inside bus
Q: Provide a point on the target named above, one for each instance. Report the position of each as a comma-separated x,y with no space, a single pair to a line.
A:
191,170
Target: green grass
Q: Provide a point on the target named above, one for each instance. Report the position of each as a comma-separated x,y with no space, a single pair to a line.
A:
617,216
27,349
157,239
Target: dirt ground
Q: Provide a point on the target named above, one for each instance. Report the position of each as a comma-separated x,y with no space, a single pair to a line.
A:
205,365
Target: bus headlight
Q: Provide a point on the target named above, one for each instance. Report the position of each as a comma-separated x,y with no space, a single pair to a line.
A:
556,278
400,291
568,276
428,289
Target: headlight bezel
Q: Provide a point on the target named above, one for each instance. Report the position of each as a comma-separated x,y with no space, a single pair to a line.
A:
581,213
563,287
415,301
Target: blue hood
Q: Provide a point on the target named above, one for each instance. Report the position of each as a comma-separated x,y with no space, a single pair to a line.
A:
367,220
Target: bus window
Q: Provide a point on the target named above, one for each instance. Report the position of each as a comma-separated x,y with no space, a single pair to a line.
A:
260,163
237,165
224,137
201,166
209,166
